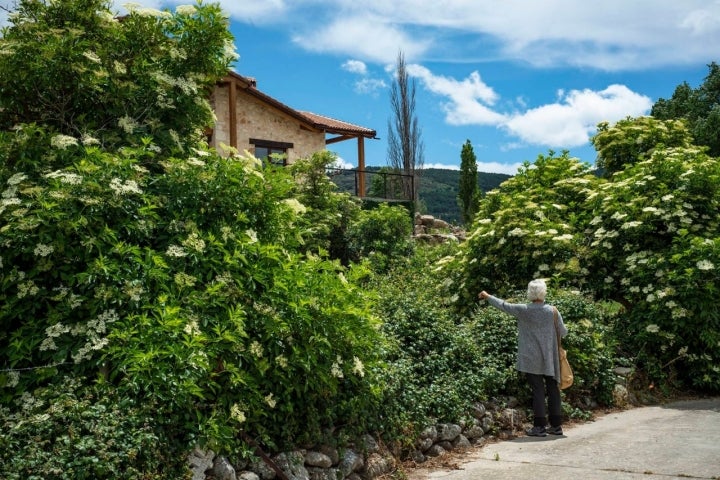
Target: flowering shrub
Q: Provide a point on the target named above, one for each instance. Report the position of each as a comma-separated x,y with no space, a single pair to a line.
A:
645,237
654,246
68,431
75,69
133,256
532,226
381,234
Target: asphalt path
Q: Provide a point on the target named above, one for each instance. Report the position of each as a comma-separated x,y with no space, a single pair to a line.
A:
679,440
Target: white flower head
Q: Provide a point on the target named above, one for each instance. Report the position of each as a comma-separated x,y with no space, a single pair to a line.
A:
42,250
705,265
17,178
126,187
185,10
237,414
295,206
61,142
358,367
175,251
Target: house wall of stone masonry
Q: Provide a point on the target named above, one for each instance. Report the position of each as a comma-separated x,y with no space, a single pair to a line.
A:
258,120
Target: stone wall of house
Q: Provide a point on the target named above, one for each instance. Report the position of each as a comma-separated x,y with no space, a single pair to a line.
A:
258,120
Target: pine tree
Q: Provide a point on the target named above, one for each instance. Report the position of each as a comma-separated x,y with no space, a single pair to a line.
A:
468,190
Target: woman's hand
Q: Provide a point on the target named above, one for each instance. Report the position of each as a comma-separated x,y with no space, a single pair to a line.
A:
483,295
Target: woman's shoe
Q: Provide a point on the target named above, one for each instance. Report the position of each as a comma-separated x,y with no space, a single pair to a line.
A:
537,432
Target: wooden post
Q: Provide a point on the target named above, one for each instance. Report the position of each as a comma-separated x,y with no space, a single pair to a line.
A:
361,166
232,95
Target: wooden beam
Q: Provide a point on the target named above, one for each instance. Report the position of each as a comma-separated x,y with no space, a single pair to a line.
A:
341,138
232,85
361,167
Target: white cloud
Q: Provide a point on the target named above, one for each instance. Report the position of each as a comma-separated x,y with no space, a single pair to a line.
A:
469,99
441,166
355,66
362,37
613,35
497,167
570,121
370,86
342,164
259,12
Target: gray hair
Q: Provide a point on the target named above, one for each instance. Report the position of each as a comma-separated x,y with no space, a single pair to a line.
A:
537,290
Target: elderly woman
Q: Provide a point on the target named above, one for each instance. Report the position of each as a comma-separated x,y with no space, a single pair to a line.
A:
537,353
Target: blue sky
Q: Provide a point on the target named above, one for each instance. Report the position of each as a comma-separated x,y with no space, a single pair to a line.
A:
515,77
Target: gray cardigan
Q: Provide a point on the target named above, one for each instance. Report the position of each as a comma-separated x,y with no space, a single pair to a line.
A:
537,342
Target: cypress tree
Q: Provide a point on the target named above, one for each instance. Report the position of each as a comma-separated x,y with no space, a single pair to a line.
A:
468,190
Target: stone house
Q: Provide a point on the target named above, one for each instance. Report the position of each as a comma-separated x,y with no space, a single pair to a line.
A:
251,120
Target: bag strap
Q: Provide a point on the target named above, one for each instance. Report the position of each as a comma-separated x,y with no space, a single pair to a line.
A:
557,331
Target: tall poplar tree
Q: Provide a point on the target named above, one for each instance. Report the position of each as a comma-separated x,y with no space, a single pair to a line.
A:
468,190
406,151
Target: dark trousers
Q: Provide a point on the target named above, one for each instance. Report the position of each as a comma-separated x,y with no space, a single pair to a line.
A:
541,386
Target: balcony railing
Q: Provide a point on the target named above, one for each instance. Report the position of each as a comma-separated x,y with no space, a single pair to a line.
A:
379,184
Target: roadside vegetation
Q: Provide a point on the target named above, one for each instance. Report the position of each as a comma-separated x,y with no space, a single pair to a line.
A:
156,295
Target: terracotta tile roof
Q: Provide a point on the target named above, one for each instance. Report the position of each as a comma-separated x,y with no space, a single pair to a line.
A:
332,125
320,122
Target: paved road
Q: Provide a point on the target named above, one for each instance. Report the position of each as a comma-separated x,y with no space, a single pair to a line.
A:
680,440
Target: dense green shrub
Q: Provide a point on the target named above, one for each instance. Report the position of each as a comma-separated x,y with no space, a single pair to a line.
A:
434,371
440,363
382,234
66,431
330,213
174,275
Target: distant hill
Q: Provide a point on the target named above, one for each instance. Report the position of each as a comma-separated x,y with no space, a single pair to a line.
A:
438,189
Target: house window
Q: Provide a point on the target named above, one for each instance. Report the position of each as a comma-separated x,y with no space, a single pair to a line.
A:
265,148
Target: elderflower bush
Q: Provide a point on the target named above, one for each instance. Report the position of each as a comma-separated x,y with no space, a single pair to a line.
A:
530,227
644,237
655,237
189,289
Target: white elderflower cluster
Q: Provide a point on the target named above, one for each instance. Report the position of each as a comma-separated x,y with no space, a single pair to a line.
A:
358,367
128,124
192,327
92,56
17,179
182,279
237,414
295,206
42,250
124,188
194,242
281,361
336,369
256,349
61,142
175,251
27,289
185,10
66,177
705,265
